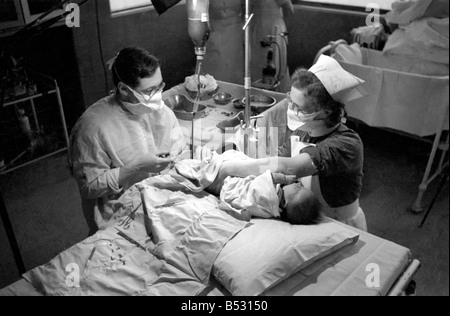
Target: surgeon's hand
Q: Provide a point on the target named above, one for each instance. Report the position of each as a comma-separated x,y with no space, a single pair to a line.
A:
154,164
140,169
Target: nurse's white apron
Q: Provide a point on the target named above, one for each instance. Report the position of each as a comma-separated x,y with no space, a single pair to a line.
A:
351,214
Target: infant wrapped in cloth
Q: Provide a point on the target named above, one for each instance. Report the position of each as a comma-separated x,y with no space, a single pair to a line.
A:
265,196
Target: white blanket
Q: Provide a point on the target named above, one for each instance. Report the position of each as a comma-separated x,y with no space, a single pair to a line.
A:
189,231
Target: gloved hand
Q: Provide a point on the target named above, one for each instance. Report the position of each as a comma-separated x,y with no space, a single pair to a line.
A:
139,169
153,164
279,178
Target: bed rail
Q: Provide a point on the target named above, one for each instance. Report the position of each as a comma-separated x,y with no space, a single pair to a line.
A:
405,285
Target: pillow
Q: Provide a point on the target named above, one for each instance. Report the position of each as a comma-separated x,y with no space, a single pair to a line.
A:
270,251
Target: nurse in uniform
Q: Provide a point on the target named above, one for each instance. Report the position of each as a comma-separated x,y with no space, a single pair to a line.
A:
322,151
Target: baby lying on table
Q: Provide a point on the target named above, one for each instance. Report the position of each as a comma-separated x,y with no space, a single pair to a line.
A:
268,196
265,196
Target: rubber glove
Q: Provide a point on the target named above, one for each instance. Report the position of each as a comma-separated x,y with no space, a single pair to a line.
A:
279,178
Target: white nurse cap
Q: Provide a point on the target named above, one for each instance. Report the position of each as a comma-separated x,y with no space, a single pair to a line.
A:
340,84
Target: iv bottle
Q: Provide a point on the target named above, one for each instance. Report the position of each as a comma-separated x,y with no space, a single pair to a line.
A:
198,24
269,71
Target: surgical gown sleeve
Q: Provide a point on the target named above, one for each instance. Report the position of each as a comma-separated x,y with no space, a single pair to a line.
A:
107,138
92,167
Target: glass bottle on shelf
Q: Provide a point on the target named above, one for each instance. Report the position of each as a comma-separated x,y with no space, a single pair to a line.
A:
24,122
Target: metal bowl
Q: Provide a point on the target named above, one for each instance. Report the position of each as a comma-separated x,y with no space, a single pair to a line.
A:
232,123
222,98
237,103
260,103
183,108
204,94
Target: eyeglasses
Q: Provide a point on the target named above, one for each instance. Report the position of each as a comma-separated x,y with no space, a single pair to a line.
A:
154,90
150,92
298,109
294,106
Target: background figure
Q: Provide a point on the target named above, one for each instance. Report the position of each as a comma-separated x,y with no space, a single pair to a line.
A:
224,58
269,20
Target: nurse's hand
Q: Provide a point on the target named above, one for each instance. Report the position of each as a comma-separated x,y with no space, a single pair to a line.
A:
279,178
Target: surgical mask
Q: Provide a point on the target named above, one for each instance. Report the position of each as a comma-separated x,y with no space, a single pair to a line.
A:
146,103
298,120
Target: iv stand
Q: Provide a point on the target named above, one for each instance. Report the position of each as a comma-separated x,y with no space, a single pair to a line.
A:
196,102
247,80
199,31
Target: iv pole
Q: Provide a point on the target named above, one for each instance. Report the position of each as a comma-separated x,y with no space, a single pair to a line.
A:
199,31
247,80
200,35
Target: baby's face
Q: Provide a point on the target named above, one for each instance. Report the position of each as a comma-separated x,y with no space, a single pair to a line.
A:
292,196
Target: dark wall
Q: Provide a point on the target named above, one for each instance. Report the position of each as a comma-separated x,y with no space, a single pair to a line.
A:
52,53
101,37
312,28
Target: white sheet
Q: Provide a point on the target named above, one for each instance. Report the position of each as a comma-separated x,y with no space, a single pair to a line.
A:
415,104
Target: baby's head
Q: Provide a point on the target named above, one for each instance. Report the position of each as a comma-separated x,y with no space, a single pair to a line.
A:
300,205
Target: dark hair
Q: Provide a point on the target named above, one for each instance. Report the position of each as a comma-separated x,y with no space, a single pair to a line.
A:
309,212
133,64
317,96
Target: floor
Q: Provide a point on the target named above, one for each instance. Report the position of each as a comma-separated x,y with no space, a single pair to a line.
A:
44,206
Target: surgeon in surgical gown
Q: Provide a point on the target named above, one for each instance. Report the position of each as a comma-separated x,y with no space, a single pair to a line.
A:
123,138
